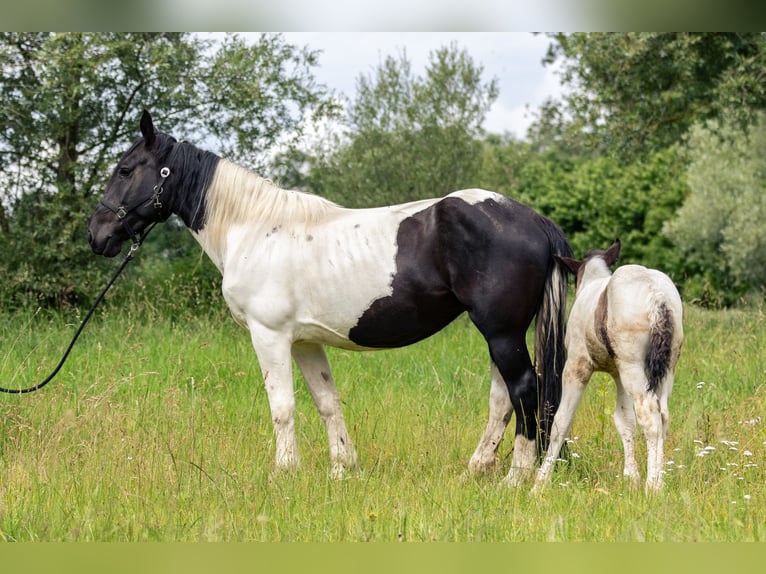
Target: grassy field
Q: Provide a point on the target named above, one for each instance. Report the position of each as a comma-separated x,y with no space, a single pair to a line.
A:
158,429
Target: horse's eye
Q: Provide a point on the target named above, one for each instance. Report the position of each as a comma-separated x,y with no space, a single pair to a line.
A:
124,172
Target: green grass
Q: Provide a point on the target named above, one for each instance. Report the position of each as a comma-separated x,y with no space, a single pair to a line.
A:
159,429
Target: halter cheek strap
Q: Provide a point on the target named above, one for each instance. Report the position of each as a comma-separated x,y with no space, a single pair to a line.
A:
122,211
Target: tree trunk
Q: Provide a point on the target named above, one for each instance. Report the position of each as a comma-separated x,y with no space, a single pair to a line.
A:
4,227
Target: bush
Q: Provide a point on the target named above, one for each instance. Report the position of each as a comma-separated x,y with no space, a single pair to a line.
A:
719,229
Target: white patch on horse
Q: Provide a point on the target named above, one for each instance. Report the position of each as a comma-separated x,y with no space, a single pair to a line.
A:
272,273
484,457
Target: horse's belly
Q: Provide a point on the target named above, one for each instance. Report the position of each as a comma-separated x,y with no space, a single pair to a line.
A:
395,322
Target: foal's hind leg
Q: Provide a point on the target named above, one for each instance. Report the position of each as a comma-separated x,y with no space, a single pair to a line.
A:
500,408
312,361
649,416
625,422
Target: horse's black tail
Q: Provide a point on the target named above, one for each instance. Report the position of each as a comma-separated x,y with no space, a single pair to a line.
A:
661,333
550,326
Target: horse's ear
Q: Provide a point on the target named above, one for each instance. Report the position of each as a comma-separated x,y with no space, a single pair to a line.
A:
613,253
147,128
572,264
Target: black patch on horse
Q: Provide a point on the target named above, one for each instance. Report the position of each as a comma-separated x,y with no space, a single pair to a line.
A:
422,301
191,171
600,320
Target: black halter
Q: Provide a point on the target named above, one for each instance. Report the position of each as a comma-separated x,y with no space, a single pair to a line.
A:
122,211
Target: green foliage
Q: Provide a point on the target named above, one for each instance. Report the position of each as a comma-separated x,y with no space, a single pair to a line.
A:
637,92
70,107
642,98
595,200
608,161
719,229
408,137
171,275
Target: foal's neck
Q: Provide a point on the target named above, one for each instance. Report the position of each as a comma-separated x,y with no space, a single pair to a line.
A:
595,270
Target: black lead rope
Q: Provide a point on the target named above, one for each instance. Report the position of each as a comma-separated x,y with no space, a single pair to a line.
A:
133,248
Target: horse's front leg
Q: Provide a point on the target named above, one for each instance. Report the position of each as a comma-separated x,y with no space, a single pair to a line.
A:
312,361
273,351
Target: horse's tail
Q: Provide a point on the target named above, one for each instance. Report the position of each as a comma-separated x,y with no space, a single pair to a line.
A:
550,325
661,334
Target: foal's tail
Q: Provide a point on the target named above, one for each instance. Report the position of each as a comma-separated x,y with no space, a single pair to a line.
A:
661,333
550,325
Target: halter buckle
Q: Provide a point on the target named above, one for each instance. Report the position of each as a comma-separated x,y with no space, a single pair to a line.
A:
120,212
158,189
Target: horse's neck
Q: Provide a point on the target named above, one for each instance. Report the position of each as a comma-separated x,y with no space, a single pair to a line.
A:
193,170
237,197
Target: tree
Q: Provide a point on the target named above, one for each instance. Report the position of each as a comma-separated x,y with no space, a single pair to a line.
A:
636,92
595,199
719,229
70,106
407,137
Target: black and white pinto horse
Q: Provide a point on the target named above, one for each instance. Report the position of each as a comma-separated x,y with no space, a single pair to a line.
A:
628,324
301,272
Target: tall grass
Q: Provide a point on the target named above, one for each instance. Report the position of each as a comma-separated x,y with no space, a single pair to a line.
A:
158,428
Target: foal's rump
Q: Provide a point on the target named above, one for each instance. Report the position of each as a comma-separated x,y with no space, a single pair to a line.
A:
645,304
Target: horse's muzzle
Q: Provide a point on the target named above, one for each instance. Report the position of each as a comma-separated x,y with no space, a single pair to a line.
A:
104,238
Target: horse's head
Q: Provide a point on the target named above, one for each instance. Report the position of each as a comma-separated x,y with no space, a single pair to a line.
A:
134,195
577,267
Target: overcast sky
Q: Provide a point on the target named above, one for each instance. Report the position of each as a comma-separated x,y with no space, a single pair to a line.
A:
514,58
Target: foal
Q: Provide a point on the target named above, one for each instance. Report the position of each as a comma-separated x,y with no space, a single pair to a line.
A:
627,324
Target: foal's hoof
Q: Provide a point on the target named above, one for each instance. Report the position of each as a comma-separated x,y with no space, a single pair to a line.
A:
653,487
341,471
284,470
538,488
485,466
517,477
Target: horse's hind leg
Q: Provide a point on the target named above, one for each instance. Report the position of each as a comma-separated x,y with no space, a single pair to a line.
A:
666,390
500,408
512,359
650,419
625,422
649,415
312,361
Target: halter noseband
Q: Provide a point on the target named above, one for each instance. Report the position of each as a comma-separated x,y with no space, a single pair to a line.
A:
122,211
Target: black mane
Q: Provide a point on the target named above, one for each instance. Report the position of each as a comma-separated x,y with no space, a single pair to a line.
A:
191,171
